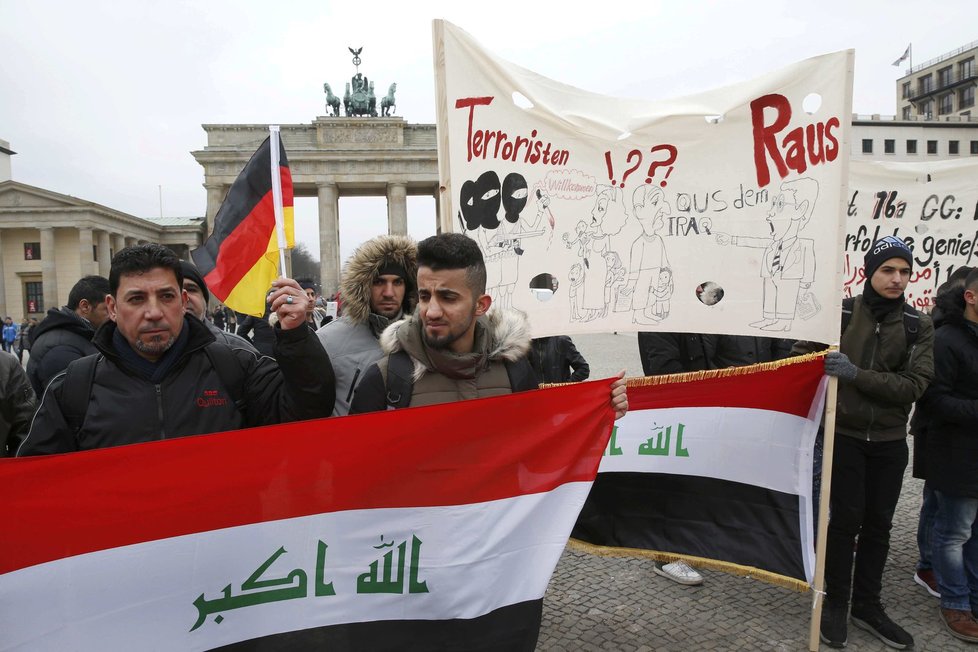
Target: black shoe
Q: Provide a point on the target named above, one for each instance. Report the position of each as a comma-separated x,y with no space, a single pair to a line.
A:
833,629
871,617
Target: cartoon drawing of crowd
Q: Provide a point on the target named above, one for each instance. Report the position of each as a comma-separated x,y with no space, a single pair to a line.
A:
599,266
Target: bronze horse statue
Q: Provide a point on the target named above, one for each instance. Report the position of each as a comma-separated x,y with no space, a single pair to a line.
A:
387,103
332,101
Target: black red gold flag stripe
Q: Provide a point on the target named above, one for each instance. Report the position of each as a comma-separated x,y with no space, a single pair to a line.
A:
239,260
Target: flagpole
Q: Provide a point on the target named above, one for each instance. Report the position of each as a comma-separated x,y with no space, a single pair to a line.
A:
910,49
273,133
828,446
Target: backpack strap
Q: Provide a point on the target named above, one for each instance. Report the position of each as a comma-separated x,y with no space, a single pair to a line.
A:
400,380
77,390
847,305
911,324
229,370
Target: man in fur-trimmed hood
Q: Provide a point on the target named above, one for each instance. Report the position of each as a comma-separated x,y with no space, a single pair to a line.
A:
453,348
378,288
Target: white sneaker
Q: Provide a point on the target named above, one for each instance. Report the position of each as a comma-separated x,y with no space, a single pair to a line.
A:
679,571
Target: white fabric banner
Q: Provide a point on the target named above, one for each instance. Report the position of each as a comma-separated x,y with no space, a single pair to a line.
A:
715,213
932,205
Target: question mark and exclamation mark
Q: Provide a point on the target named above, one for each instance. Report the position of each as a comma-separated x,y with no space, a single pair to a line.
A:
650,175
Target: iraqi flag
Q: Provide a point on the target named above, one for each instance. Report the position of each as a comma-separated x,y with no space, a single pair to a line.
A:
240,259
433,528
715,467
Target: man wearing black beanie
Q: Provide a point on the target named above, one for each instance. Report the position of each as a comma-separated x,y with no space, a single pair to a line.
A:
884,363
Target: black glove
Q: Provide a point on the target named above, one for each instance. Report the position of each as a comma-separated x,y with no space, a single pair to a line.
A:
837,364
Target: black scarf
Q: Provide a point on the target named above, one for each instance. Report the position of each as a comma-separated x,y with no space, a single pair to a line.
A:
879,305
153,372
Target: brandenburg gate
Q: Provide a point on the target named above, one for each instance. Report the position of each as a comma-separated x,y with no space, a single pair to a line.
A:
331,158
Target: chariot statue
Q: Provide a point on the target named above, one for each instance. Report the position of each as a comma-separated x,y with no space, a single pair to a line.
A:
359,97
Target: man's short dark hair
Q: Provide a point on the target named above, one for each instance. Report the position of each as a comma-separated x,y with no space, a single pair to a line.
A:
971,281
91,288
454,251
141,259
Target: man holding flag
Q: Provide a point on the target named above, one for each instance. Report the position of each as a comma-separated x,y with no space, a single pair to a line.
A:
160,374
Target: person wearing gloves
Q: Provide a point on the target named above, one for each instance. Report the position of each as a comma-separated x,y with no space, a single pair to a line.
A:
884,363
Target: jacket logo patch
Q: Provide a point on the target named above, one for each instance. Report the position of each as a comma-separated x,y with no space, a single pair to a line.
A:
211,398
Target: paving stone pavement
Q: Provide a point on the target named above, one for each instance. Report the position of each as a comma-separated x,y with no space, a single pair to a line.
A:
600,603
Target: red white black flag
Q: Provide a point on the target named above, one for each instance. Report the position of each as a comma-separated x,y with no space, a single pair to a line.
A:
717,468
428,528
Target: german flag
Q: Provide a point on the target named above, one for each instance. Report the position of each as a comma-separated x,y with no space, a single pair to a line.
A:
239,260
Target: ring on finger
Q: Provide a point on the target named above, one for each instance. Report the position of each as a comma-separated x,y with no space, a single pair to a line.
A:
289,299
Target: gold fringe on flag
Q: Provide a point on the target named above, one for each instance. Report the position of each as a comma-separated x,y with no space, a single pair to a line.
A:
722,373
699,562
692,376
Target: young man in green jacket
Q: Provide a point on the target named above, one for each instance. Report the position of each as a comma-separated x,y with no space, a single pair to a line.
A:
884,363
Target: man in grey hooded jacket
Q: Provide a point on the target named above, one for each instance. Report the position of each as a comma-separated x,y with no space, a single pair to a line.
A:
378,288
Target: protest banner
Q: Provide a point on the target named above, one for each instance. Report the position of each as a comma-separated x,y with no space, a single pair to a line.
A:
715,467
933,205
721,212
365,532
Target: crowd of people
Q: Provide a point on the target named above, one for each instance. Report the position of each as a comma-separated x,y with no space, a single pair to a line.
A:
138,357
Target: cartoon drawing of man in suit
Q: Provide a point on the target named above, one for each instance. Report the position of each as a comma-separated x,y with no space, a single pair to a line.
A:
788,264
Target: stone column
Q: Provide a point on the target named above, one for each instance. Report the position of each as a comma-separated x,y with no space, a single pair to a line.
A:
215,195
104,253
118,244
86,265
397,209
329,236
131,242
3,285
437,196
49,271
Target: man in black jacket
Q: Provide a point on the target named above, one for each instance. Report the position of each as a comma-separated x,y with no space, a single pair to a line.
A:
160,374
556,360
951,403
66,334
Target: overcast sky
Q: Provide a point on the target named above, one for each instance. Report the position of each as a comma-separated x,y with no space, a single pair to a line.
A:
105,100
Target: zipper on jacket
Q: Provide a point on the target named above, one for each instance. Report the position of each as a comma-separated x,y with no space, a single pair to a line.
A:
159,409
353,386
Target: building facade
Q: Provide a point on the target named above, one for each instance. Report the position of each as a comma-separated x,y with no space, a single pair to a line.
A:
49,240
887,138
940,87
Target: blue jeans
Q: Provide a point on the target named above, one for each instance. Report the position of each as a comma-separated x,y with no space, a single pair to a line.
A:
955,551
925,527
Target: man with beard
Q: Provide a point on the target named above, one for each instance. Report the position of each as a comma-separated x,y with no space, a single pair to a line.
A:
454,349
160,374
378,289
884,363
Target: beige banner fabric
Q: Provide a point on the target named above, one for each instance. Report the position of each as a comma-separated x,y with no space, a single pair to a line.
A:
932,205
721,212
